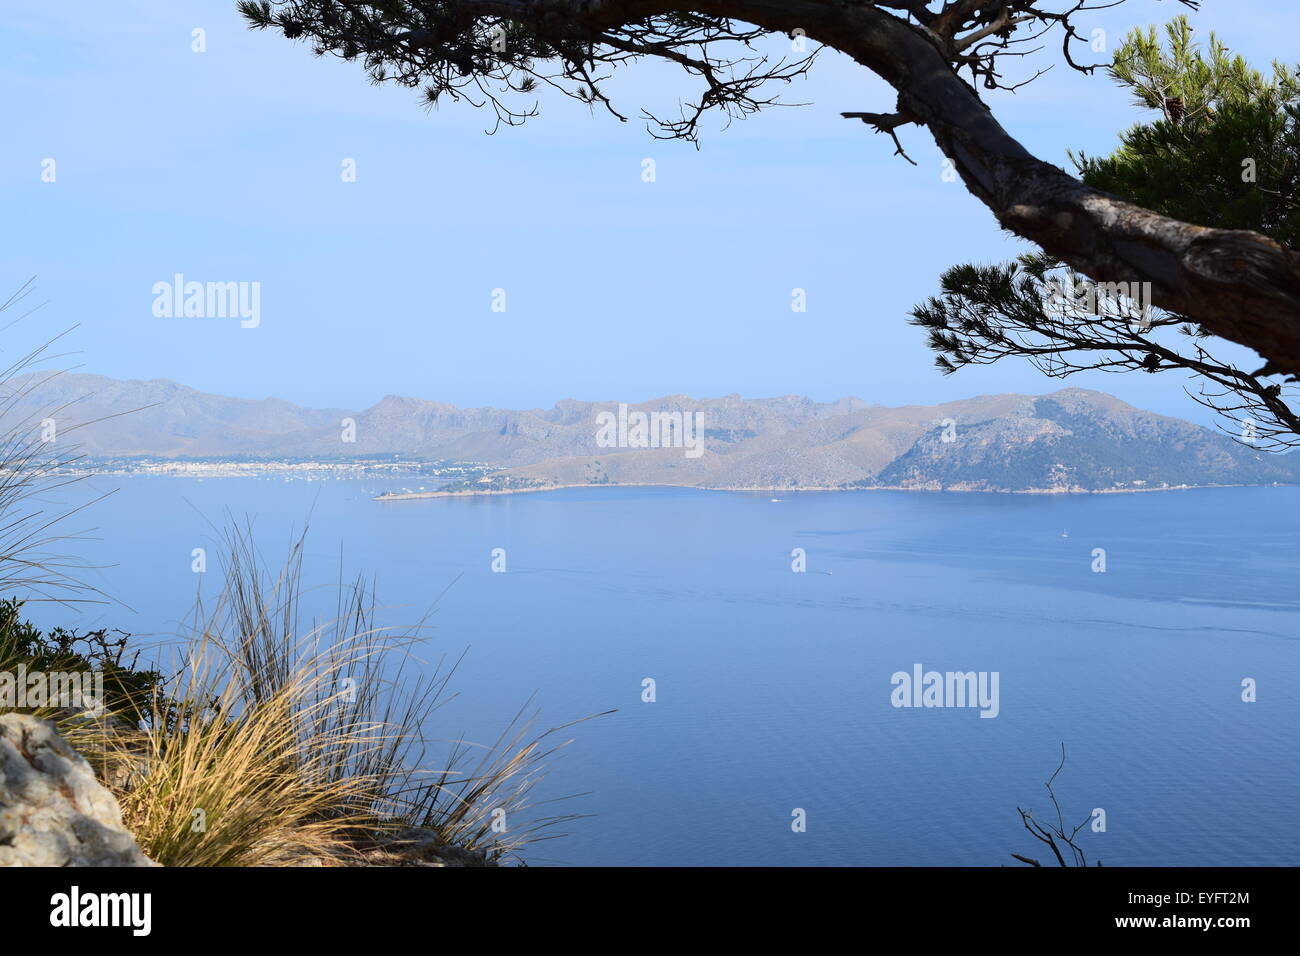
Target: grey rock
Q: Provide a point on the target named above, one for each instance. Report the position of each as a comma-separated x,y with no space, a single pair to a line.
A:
53,812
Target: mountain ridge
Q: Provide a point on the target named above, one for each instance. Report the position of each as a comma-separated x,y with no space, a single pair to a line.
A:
1071,439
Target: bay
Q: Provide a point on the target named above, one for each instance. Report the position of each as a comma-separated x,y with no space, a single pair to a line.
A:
773,687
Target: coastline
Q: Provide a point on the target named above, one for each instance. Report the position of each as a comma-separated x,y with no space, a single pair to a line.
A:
768,489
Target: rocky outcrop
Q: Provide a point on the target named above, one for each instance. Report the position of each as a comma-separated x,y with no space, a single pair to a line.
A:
53,812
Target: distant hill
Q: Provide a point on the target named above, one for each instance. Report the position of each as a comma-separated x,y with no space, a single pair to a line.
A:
1081,439
1072,439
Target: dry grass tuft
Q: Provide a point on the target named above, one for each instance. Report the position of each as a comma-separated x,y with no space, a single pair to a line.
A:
277,745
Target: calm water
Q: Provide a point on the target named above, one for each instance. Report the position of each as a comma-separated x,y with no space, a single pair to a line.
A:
774,687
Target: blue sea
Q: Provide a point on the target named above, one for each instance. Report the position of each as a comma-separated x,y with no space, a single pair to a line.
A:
773,687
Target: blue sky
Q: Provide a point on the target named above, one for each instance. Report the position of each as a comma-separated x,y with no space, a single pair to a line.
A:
225,166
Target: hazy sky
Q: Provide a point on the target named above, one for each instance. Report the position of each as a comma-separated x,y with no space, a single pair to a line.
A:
225,166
